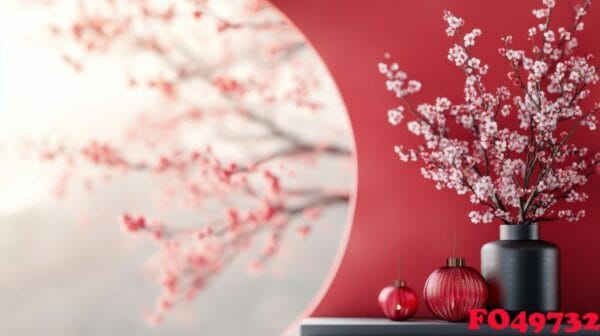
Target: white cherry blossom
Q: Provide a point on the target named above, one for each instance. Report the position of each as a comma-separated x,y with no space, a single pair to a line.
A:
519,176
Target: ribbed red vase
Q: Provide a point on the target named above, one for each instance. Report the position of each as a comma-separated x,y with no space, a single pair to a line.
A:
452,290
398,302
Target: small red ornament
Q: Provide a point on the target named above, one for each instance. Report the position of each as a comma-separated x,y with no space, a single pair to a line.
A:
398,302
452,290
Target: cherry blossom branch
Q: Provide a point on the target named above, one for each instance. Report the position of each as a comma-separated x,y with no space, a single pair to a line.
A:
552,93
240,201
555,150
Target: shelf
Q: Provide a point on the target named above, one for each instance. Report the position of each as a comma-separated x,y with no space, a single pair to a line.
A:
320,326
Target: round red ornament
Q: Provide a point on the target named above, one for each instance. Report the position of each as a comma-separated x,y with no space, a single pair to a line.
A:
398,302
452,290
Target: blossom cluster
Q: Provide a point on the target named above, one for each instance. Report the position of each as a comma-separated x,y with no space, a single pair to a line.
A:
519,175
234,69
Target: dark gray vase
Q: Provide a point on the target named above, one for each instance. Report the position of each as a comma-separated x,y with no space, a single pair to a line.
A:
523,271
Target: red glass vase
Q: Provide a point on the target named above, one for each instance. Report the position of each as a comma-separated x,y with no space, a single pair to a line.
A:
452,290
398,302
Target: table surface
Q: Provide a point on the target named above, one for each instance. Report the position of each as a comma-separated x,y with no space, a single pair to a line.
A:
323,326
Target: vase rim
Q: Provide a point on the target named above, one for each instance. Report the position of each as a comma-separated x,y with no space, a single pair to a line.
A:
519,232
518,224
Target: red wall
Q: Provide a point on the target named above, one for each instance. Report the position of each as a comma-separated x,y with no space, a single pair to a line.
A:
397,212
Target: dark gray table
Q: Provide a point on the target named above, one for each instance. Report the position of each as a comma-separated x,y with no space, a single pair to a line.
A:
320,326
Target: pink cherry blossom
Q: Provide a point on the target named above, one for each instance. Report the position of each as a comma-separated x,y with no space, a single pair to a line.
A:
133,223
241,72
